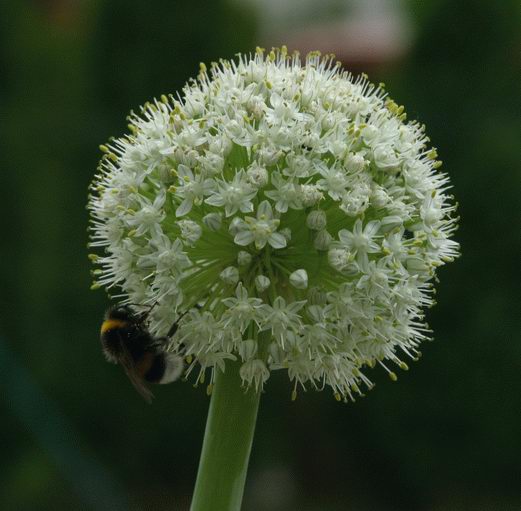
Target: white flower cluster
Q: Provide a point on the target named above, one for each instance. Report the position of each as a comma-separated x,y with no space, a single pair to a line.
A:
291,208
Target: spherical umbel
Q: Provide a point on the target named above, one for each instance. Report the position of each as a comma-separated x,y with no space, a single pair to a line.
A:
291,202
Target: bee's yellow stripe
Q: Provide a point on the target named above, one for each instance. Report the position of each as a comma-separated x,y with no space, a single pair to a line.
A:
111,324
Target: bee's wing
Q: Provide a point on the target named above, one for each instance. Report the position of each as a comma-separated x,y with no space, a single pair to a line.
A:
138,383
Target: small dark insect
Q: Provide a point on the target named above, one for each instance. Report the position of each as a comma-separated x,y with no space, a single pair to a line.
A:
125,340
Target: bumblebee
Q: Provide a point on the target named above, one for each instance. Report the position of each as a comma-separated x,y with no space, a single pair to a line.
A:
126,340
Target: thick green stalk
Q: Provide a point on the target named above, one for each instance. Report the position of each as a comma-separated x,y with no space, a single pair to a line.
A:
227,444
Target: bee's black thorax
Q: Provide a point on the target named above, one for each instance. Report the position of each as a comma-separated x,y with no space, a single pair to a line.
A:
123,331
135,341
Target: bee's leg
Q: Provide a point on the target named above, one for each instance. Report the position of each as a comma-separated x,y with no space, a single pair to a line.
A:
142,316
175,326
139,305
162,343
159,344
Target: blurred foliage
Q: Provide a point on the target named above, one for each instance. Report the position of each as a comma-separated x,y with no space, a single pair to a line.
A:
446,436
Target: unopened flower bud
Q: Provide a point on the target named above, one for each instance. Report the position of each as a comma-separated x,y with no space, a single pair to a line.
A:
262,283
322,240
230,275
316,220
243,258
299,279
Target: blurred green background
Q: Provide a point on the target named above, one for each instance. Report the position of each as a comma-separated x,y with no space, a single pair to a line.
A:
75,435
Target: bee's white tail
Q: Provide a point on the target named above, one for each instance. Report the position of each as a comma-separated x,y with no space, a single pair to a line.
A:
173,368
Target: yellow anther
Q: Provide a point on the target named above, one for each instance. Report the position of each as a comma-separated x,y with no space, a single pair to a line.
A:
393,376
391,105
338,397
209,389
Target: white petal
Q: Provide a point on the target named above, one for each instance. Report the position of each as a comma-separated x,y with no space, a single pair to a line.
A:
277,240
372,228
346,237
184,208
215,200
243,238
265,209
184,171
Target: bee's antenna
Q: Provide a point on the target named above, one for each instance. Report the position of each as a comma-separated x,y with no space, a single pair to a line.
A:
142,316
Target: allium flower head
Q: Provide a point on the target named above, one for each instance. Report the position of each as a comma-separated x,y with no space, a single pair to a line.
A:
291,208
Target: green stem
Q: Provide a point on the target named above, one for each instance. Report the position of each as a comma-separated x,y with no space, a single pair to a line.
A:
227,443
